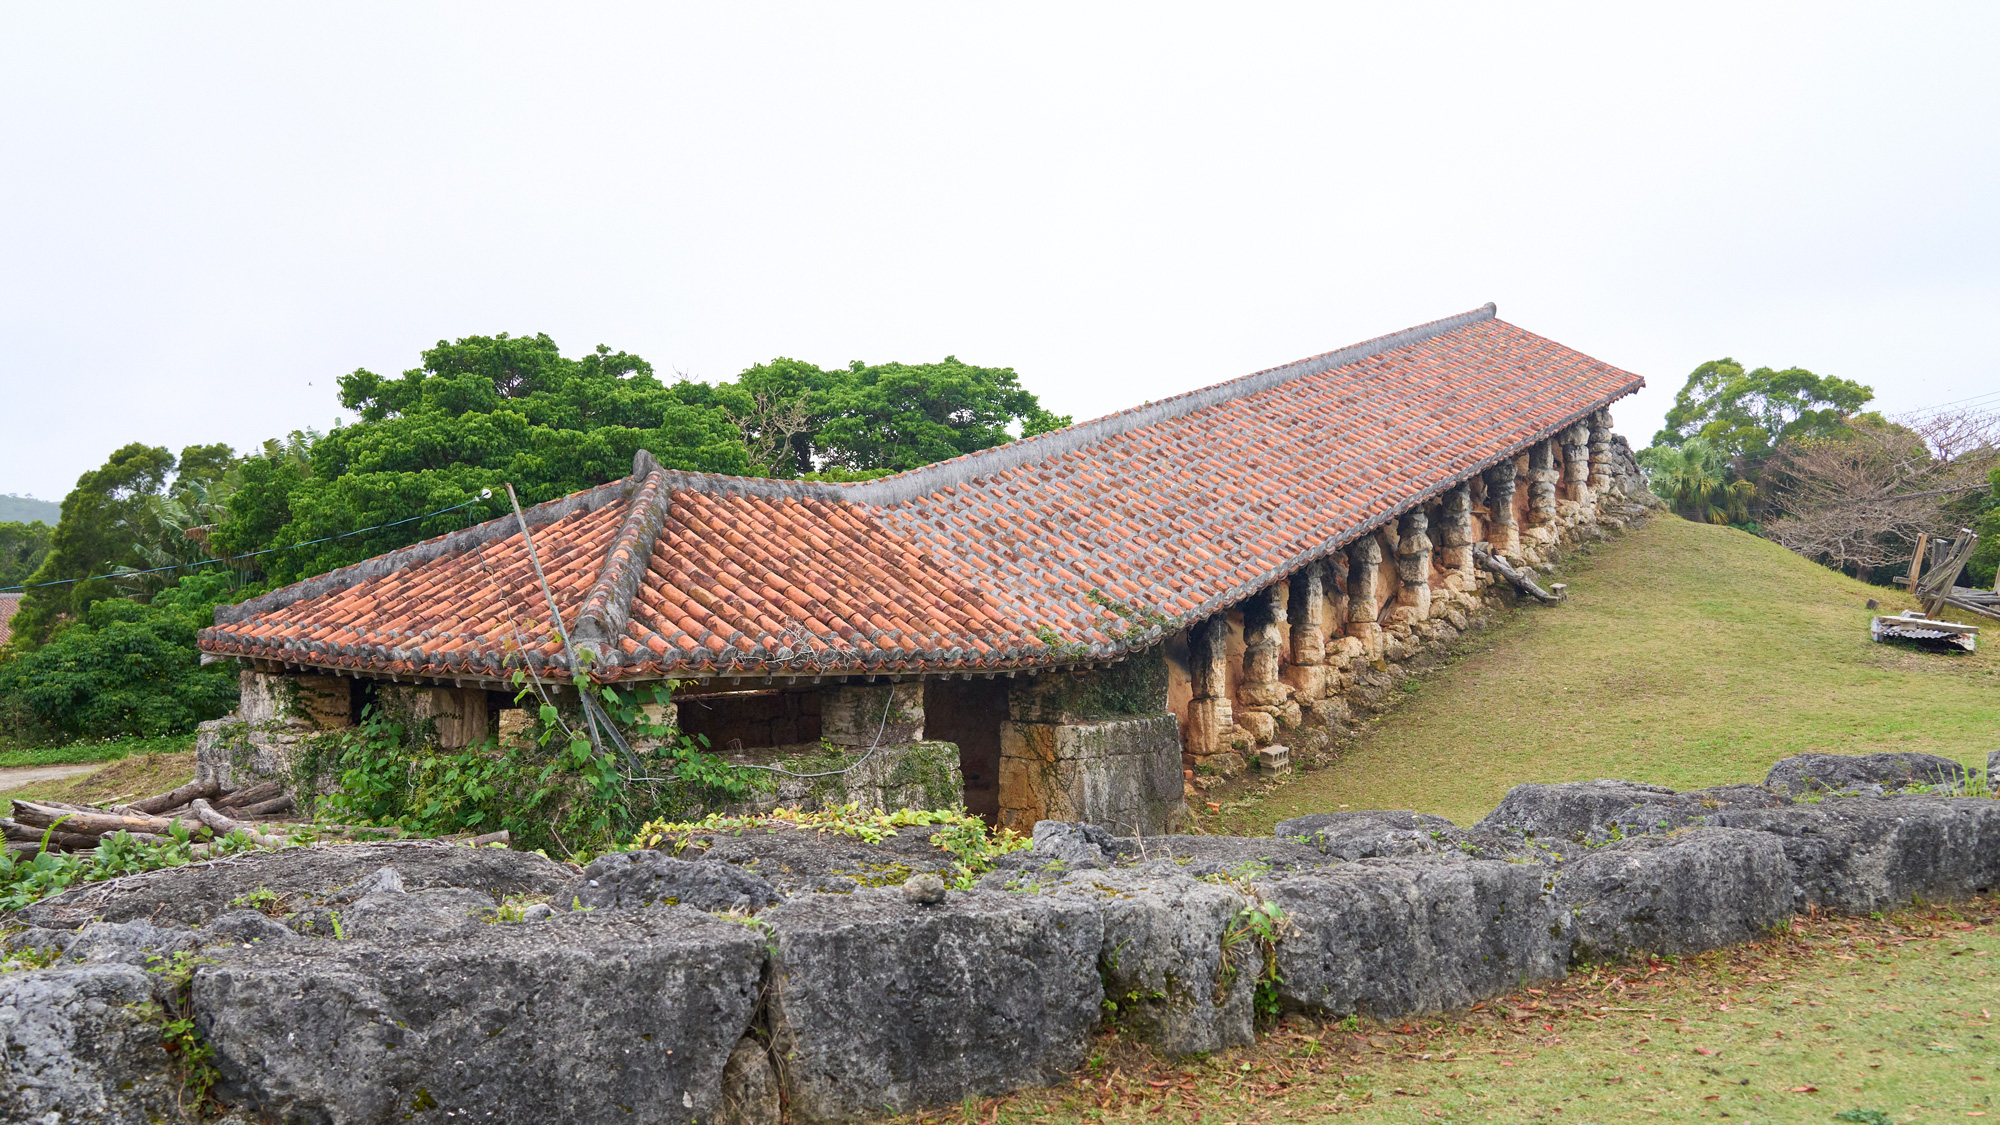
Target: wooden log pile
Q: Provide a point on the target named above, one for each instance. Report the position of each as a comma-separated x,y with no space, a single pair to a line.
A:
203,808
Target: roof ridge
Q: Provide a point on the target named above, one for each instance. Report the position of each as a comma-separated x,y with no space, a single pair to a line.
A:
609,604
912,483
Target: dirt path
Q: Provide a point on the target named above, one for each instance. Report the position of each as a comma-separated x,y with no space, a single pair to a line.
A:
13,777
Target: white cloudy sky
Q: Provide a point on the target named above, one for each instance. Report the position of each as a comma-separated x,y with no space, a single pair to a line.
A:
210,212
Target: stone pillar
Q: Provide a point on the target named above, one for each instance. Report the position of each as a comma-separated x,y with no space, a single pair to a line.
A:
1211,715
1264,696
1503,534
1542,485
458,716
274,714
1095,746
1364,594
1576,464
1266,636
1602,474
1455,528
1307,610
1413,564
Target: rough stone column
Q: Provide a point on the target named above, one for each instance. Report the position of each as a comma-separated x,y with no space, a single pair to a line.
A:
1602,474
1542,485
1307,610
1503,534
1364,594
1266,633
1097,746
1455,529
858,714
1413,564
1211,715
1576,463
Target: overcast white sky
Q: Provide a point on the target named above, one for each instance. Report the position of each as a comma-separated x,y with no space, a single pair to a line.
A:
210,212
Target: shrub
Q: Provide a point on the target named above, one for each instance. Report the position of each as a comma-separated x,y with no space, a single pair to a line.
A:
124,669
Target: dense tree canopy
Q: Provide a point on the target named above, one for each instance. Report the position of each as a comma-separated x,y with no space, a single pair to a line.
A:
1745,414
885,418
23,546
122,668
93,536
479,412
178,535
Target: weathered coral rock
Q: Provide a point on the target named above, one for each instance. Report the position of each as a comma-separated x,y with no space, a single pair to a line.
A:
880,1006
1810,773
603,1016
1860,854
642,878
1597,810
82,1043
1162,958
1408,936
196,894
796,862
1685,893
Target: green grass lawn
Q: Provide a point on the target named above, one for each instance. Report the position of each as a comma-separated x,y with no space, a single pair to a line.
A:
108,751
1882,1020
1687,655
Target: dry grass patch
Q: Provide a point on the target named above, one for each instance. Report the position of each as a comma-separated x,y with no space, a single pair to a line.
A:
141,775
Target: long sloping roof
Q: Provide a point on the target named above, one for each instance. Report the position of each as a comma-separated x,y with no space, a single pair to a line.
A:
1078,545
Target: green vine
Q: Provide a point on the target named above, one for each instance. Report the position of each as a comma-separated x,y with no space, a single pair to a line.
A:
193,1057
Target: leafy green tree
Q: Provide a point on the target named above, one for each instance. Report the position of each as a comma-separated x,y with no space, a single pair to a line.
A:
93,536
23,546
479,412
869,420
1745,414
122,669
1694,477
900,416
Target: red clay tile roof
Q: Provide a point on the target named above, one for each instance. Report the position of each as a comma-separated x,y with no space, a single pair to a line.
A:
997,560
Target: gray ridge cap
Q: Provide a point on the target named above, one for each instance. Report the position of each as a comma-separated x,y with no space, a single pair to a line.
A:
906,486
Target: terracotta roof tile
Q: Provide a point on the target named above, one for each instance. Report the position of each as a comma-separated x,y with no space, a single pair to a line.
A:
1173,509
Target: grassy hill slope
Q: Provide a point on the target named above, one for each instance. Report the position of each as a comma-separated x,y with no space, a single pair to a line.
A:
1687,655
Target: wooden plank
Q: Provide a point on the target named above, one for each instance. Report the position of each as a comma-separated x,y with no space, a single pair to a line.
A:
1917,559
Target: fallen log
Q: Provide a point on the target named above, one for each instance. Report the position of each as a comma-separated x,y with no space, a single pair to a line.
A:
276,804
169,801
95,822
501,837
58,840
224,826
242,798
1523,581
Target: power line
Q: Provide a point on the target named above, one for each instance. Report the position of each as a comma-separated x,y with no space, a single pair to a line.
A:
484,494
1958,402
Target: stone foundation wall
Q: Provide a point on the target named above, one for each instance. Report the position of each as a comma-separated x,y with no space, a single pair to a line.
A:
1096,745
